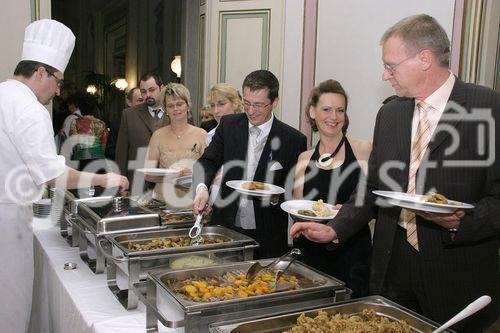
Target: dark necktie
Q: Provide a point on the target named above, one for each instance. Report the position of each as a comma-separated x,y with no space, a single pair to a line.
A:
156,118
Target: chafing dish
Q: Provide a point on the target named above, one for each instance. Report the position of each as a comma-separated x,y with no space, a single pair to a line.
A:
175,311
176,218
135,264
97,217
63,207
278,324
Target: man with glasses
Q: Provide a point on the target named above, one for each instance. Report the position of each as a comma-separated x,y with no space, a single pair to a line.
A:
28,161
138,124
439,135
252,146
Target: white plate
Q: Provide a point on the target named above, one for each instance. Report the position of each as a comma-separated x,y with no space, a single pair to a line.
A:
273,189
293,206
413,201
159,171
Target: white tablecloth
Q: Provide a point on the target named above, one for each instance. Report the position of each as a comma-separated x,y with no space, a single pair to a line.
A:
76,301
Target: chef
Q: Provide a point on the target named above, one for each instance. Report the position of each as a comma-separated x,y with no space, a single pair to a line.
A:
28,161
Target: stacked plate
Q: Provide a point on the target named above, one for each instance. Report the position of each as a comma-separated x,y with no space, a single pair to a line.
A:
41,208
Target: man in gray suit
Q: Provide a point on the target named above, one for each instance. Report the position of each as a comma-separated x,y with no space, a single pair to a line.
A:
138,124
433,263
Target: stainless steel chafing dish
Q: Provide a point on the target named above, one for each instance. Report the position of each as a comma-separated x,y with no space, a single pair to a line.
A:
96,217
135,264
278,324
63,207
174,311
169,217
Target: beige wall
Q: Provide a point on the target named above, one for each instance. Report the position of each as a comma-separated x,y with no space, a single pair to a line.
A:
15,16
348,49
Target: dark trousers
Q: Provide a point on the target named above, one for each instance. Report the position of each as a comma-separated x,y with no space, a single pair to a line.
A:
404,285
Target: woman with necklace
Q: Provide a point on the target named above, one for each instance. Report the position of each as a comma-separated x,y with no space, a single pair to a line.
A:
331,172
175,146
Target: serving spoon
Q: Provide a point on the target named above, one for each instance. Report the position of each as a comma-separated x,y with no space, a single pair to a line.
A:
472,308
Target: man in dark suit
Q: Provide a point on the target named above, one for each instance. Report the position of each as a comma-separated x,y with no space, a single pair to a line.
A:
251,146
452,258
138,124
132,98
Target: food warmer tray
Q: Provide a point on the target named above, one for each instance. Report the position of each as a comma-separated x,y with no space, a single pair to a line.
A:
136,264
174,311
281,323
63,208
97,217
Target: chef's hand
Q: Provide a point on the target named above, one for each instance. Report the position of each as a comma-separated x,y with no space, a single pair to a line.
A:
316,232
446,220
201,200
114,180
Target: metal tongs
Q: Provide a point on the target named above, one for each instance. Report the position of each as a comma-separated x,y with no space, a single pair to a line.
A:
195,231
278,266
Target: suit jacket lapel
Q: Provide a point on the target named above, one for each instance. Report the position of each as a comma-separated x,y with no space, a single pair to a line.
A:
404,122
240,143
146,118
449,117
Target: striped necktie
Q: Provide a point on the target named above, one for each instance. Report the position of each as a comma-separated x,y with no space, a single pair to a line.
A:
419,146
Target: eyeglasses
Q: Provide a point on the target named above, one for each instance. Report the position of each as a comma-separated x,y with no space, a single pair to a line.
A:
391,68
60,82
256,106
178,105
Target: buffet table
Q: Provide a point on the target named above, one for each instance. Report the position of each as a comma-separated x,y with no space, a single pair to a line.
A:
74,300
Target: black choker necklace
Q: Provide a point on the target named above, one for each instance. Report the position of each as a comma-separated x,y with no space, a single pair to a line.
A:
327,159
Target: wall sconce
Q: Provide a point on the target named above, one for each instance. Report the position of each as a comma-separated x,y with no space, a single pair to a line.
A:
91,89
121,84
176,66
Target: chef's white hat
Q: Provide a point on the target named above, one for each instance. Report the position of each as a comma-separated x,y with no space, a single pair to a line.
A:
49,42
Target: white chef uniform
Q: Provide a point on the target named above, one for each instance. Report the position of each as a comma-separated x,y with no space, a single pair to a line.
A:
28,159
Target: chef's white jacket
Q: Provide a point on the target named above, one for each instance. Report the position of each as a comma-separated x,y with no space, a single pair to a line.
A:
28,159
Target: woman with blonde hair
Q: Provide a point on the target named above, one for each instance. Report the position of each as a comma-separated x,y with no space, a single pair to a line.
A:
176,145
223,99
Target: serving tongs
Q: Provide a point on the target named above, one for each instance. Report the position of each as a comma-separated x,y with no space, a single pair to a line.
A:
195,231
278,267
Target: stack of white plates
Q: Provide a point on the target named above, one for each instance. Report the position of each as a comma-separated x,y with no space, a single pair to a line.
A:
41,208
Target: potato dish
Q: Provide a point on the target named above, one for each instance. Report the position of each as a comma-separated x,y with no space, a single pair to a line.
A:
254,186
170,242
231,285
366,321
319,209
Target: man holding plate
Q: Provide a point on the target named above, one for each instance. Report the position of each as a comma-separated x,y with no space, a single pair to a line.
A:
252,146
425,141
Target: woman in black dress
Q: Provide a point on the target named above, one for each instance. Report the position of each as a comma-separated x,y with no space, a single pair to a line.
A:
333,180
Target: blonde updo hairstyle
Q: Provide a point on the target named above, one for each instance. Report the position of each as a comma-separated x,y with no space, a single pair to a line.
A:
178,90
227,91
328,86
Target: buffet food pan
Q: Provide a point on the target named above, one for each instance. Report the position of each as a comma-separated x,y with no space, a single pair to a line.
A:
131,255
165,303
380,305
176,218
101,216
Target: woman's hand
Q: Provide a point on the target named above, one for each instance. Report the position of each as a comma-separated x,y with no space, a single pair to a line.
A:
186,172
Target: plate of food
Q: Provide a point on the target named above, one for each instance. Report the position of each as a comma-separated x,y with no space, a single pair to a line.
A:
308,210
255,188
431,202
159,172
